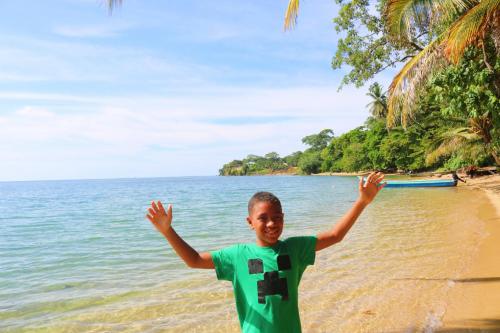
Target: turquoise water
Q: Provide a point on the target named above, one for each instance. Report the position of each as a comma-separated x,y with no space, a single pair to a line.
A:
79,256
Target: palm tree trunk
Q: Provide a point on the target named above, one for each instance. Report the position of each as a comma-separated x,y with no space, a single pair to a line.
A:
495,156
495,36
495,31
482,126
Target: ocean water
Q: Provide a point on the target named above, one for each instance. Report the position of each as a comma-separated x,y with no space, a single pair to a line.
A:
79,256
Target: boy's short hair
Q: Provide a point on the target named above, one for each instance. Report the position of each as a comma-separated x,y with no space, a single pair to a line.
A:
263,197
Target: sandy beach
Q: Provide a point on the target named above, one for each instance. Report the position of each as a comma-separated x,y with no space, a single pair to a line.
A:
474,303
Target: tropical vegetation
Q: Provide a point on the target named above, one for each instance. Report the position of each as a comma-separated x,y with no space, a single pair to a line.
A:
451,49
455,124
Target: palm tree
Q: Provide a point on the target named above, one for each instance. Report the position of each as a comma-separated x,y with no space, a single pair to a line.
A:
477,20
378,106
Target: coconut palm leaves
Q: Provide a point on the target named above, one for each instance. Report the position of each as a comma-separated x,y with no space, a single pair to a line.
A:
402,15
455,140
291,14
472,27
406,85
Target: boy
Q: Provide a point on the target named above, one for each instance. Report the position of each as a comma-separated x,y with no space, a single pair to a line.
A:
266,275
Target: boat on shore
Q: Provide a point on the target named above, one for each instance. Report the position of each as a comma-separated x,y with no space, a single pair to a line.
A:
422,183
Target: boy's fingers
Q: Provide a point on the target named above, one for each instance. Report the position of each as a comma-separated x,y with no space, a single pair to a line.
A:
150,218
155,207
369,179
360,183
381,186
169,210
152,212
160,205
379,178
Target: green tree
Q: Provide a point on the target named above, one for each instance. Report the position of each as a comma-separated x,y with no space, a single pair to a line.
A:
310,162
292,160
395,151
378,105
466,91
234,168
376,132
346,152
364,49
318,141
274,161
458,24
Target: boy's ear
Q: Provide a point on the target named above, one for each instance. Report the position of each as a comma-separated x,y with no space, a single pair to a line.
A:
249,222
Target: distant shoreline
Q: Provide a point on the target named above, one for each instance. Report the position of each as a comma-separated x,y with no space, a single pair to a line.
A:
293,171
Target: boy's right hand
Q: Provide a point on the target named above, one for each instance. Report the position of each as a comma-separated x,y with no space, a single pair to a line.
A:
161,219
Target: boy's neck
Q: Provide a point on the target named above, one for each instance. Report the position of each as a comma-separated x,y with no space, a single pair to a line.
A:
260,243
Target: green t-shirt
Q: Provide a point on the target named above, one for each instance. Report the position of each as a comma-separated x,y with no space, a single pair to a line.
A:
265,282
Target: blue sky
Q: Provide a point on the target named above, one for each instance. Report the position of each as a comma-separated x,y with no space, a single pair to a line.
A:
163,89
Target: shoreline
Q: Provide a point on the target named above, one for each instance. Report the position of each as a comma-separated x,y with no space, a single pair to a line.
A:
474,302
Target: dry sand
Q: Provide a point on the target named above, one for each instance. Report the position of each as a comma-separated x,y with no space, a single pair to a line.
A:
474,302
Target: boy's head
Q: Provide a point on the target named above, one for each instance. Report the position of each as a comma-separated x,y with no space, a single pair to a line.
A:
265,216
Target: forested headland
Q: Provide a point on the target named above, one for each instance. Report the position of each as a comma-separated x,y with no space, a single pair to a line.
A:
440,112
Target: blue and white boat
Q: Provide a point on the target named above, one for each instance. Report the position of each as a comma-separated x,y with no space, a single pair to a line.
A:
422,183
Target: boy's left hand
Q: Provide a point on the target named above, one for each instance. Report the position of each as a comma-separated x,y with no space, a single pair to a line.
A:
368,189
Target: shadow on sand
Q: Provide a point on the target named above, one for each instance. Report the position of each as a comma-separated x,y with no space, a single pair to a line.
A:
467,280
471,325
462,326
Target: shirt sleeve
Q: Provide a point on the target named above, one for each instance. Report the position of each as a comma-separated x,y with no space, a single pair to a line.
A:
224,261
304,248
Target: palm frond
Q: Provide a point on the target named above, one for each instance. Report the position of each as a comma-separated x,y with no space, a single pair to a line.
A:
112,4
451,141
404,88
403,16
470,28
291,14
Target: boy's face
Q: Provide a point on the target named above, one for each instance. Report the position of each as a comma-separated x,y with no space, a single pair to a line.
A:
267,221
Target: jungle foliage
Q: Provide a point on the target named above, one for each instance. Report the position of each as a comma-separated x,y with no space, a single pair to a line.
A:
456,123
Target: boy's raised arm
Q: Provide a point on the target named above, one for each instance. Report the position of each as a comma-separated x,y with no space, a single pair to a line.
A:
162,220
367,191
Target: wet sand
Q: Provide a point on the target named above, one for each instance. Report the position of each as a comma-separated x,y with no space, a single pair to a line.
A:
474,303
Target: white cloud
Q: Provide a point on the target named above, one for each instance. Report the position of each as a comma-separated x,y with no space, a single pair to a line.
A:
54,61
137,123
35,112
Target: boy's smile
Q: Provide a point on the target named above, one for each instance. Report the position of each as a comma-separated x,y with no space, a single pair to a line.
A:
266,219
